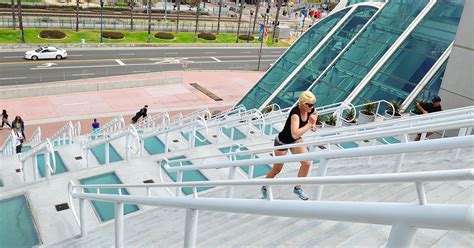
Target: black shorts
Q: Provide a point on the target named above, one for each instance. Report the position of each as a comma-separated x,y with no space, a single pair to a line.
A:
277,142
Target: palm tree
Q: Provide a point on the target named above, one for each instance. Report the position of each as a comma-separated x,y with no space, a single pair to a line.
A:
240,19
149,21
218,17
177,16
257,7
13,14
198,4
276,21
20,22
77,15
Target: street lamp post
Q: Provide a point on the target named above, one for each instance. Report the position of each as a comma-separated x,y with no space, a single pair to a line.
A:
101,21
261,37
250,22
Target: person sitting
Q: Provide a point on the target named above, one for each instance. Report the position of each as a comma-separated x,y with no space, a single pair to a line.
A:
428,107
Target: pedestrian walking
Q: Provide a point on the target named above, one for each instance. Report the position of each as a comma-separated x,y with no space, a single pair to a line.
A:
141,113
20,124
428,107
18,138
95,126
5,119
302,118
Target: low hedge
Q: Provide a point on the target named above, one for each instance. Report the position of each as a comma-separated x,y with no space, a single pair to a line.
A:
113,35
164,36
246,37
207,36
52,34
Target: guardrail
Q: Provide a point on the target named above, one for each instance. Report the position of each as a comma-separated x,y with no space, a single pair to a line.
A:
36,137
63,135
47,149
404,218
116,124
8,148
158,120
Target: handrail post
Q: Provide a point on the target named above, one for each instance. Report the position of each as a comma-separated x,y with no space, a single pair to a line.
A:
119,224
322,171
462,132
179,178
107,152
82,216
369,160
398,164
420,191
35,168
230,191
47,165
401,235
190,229
127,147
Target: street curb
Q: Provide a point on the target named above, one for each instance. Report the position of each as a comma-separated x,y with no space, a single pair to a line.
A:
22,47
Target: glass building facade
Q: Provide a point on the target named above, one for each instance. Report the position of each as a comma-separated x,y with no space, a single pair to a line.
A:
361,41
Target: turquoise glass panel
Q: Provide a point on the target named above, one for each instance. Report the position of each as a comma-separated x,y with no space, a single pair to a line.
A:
99,153
354,64
431,89
348,145
197,142
105,210
269,130
388,140
153,145
321,59
259,170
238,135
188,176
60,167
416,55
16,223
290,60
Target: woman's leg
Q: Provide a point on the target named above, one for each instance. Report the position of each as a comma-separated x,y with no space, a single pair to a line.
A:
305,165
276,167
18,149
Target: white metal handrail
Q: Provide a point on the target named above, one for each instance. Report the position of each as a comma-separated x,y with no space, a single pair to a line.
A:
63,135
224,114
356,133
180,120
47,149
77,129
116,124
403,217
35,138
8,148
158,120
130,132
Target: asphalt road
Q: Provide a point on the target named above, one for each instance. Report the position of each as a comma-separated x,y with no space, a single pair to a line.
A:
92,63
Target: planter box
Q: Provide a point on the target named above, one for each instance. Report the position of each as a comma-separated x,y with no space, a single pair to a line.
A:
363,118
389,116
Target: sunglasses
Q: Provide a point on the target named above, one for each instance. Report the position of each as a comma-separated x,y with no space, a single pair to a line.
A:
309,105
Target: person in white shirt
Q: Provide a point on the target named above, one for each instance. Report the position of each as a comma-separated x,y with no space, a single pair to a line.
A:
18,138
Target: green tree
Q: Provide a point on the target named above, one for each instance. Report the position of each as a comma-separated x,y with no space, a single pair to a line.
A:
177,16
149,21
20,22
198,4
218,17
240,19
276,21
13,14
77,15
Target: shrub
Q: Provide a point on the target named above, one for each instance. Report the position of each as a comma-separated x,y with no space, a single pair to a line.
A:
165,36
207,36
369,108
52,34
123,4
113,35
246,37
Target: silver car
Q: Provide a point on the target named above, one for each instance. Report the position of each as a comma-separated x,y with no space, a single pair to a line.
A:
46,53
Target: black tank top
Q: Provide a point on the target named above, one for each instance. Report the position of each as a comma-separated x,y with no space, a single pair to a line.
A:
285,135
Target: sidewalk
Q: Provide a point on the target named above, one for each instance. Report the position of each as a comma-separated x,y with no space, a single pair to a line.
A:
52,112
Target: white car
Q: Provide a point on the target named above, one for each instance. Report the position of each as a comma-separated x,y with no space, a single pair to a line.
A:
46,53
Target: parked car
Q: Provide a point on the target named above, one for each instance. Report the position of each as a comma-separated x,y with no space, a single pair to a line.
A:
46,53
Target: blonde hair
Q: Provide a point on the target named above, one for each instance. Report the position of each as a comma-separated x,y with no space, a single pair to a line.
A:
307,97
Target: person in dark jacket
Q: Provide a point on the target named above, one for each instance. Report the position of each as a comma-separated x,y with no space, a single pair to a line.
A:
5,119
428,107
20,124
141,113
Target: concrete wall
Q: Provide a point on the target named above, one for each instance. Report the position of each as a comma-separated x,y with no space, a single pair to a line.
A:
11,92
457,88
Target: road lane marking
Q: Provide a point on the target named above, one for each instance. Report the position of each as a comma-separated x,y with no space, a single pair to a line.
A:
76,103
214,58
83,74
170,53
13,78
119,62
126,54
75,55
